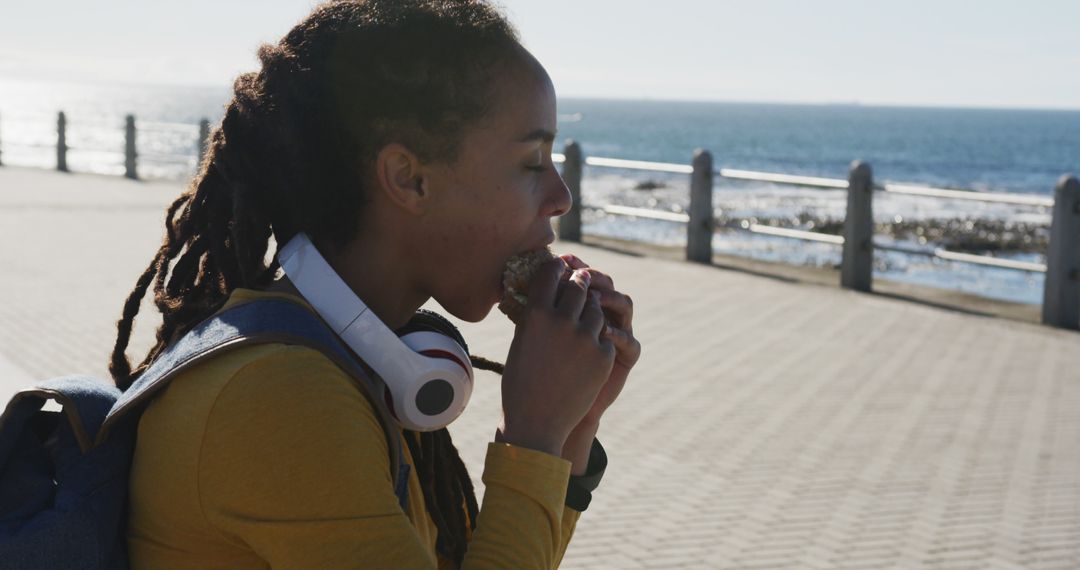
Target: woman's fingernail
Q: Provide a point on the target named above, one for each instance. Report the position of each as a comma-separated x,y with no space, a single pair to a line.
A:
573,260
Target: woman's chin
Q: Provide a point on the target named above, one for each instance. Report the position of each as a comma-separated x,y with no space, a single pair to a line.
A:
475,308
472,312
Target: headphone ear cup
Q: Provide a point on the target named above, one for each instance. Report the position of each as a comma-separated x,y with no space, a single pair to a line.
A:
437,397
425,320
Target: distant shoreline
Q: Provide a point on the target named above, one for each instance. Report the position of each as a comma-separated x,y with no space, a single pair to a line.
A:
226,88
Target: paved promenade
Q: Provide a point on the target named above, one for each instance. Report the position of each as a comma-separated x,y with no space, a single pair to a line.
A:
767,425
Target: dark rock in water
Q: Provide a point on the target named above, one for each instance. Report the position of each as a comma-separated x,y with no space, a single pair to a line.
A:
649,185
969,235
972,235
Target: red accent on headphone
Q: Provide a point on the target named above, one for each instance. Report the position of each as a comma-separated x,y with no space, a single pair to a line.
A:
435,353
390,403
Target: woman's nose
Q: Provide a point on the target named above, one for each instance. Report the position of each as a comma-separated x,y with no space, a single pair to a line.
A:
559,199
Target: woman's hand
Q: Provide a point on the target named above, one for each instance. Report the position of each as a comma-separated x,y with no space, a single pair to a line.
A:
619,313
559,362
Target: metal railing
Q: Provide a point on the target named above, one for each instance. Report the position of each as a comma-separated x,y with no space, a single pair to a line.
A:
131,155
825,183
1061,295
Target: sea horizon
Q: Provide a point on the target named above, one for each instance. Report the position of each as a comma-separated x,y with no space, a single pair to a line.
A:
227,86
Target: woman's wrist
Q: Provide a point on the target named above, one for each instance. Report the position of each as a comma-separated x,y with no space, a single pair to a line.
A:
580,487
578,445
536,441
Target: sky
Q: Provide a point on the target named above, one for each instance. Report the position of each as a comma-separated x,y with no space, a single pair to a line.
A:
988,53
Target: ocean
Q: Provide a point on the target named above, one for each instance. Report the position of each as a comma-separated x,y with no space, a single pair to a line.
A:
990,150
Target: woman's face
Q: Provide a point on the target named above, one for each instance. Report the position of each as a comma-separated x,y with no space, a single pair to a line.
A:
498,199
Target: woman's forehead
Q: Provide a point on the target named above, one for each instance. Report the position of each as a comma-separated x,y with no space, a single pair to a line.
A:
524,108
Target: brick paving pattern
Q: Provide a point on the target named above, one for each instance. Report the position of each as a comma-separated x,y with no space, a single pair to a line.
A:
768,424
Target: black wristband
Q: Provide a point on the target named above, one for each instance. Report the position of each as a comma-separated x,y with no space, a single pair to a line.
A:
580,487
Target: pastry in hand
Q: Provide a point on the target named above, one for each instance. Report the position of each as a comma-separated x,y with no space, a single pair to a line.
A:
517,276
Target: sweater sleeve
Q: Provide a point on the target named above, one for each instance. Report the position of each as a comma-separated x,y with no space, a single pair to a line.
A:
524,493
294,465
569,523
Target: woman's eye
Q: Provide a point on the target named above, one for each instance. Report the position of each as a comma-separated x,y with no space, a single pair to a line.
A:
537,168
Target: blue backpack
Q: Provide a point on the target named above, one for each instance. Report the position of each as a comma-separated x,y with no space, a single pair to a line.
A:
63,475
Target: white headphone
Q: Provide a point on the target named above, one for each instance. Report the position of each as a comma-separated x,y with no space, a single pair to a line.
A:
428,374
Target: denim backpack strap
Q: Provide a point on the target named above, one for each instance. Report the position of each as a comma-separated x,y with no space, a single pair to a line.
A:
85,401
61,499
30,473
260,322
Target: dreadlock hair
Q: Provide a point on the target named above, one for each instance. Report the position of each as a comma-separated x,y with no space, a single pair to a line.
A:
291,155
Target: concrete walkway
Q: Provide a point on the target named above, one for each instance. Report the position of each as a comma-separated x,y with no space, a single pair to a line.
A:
768,424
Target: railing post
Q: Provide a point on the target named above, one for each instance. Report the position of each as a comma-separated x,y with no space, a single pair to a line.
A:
856,271
570,222
129,148
61,142
204,136
1061,295
699,231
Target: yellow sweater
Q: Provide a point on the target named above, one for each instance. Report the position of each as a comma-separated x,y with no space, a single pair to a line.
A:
269,456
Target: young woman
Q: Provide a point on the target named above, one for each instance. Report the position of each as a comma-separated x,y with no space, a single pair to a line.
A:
411,140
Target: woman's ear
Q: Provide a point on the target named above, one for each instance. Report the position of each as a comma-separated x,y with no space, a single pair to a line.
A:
401,178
